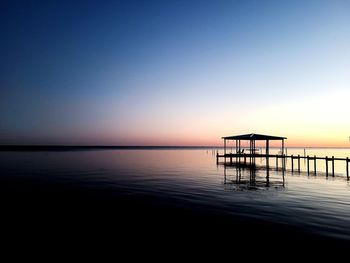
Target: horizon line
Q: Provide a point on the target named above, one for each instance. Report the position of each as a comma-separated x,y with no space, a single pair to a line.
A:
18,147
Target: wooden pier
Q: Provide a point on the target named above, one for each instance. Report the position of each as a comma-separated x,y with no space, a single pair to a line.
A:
240,156
293,158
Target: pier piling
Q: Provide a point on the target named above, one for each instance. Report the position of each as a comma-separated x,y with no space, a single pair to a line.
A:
308,165
333,166
327,166
314,164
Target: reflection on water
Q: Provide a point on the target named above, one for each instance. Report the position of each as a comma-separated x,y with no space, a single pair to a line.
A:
191,178
246,177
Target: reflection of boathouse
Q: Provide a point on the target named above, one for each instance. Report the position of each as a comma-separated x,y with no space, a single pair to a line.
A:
252,178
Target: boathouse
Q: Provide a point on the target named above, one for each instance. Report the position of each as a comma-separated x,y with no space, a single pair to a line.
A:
252,138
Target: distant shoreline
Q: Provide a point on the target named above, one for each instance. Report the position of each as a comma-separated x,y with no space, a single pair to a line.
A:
104,147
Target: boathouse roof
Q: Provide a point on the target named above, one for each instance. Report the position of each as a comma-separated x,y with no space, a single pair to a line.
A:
254,136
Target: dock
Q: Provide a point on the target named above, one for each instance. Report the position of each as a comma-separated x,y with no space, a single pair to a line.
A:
249,158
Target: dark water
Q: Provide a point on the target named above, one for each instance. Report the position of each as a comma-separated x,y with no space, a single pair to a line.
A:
145,196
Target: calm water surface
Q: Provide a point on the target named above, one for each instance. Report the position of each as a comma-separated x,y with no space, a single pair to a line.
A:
191,177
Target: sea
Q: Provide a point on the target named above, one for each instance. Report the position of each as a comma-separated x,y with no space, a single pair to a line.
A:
142,195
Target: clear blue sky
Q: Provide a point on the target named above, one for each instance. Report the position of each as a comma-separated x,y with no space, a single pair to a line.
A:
172,72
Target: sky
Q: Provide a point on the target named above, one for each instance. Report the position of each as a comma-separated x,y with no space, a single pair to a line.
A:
174,72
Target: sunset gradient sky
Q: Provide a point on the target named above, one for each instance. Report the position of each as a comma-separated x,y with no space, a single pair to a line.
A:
174,72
